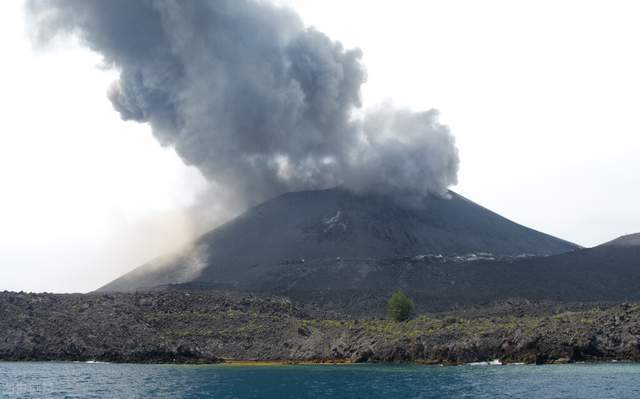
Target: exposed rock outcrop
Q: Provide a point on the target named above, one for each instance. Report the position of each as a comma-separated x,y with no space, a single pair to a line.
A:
191,327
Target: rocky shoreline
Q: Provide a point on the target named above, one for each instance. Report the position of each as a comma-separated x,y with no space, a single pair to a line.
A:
212,327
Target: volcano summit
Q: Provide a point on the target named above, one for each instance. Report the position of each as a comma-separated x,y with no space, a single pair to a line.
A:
333,224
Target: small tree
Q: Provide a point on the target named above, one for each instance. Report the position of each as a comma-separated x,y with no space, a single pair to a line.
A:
400,306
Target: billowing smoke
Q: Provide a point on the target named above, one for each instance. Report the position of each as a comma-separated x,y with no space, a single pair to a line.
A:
259,103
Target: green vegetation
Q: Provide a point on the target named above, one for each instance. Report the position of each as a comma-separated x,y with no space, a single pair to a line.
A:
400,306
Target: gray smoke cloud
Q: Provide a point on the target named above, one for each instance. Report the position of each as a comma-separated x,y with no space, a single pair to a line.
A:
258,102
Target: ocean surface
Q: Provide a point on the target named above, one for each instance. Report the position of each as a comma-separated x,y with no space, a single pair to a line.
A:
83,380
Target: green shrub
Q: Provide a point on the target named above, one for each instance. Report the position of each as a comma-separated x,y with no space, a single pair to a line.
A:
400,306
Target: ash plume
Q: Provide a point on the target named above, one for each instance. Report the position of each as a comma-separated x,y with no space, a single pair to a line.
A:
258,102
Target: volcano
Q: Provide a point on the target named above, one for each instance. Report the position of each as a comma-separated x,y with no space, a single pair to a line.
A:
335,224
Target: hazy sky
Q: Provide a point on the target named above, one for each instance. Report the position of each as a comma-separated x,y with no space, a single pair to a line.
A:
541,97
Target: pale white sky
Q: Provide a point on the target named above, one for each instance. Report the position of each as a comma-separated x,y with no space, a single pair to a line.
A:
541,97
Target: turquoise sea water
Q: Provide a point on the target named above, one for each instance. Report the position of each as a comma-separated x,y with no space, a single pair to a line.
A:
81,380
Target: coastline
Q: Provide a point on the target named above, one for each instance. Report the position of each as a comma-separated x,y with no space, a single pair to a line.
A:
248,330
335,362
342,362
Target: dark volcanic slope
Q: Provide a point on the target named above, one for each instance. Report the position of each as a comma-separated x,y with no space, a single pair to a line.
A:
631,240
337,223
358,286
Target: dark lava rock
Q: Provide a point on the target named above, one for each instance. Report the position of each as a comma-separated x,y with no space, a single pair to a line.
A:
208,327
